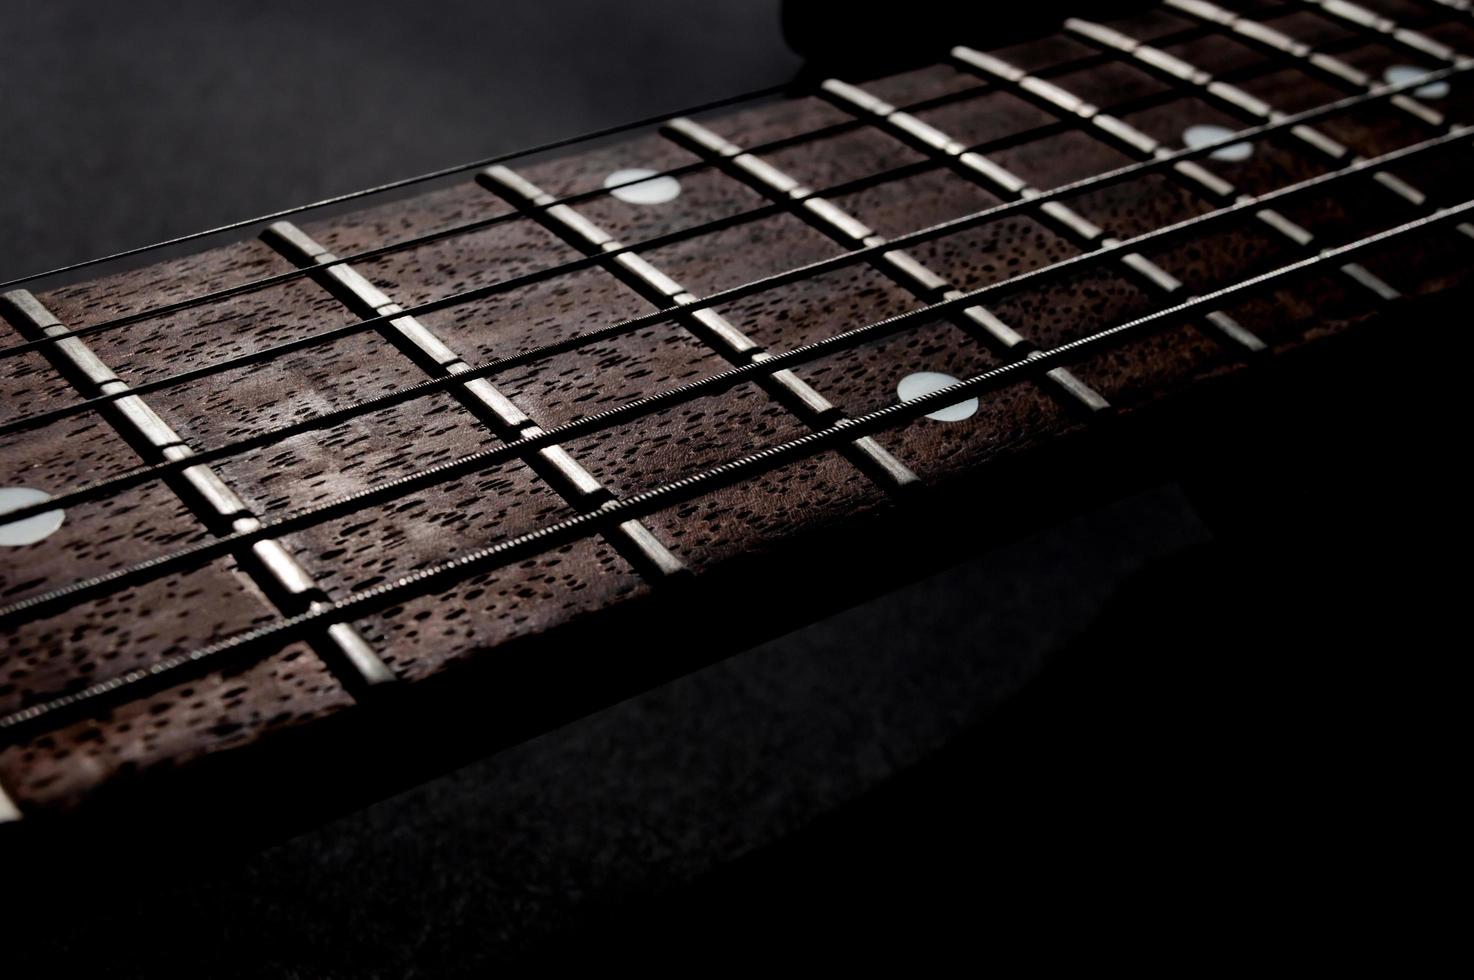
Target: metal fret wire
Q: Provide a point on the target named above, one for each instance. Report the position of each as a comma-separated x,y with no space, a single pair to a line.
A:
1074,64
393,489
378,597
408,393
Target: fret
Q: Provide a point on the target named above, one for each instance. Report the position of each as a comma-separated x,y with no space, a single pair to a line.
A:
567,475
1061,214
1246,104
724,336
903,266
217,499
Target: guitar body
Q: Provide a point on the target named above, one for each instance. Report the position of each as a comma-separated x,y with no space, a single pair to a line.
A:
440,667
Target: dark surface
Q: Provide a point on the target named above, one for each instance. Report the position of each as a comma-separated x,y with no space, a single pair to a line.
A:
1235,739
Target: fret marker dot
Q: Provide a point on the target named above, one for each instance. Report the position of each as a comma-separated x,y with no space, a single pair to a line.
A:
638,190
926,382
1203,133
31,529
1401,74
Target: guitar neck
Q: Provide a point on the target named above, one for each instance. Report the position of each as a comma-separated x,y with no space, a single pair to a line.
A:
429,463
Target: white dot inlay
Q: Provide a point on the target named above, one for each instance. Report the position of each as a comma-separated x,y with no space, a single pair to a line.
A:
1203,133
638,190
31,529
926,382
1401,74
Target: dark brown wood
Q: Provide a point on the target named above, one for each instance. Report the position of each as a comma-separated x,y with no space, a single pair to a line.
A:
519,631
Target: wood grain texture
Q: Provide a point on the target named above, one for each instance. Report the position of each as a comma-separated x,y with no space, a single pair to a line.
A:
568,591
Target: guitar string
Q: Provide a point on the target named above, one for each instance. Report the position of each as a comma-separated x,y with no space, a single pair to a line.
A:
1177,37
847,125
144,474
896,243
576,197
593,193
394,185
1183,35
49,416
1039,132
460,168
271,636
398,487
570,266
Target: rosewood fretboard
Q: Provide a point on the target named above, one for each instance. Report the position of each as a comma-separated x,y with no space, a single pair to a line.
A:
548,252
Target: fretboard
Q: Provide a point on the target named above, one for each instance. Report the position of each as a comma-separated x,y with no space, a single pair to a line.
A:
702,363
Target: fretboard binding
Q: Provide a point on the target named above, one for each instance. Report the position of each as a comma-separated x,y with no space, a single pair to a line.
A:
719,333
565,474
137,417
900,265
1057,213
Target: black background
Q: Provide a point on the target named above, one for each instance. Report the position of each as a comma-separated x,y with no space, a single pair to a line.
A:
1210,719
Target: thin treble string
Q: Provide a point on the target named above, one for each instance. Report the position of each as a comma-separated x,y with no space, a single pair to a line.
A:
144,474
403,182
452,231
580,197
271,636
480,292
397,488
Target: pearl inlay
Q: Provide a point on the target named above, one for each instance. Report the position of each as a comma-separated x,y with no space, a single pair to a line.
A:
1401,74
924,383
1203,133
638,190
30,529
